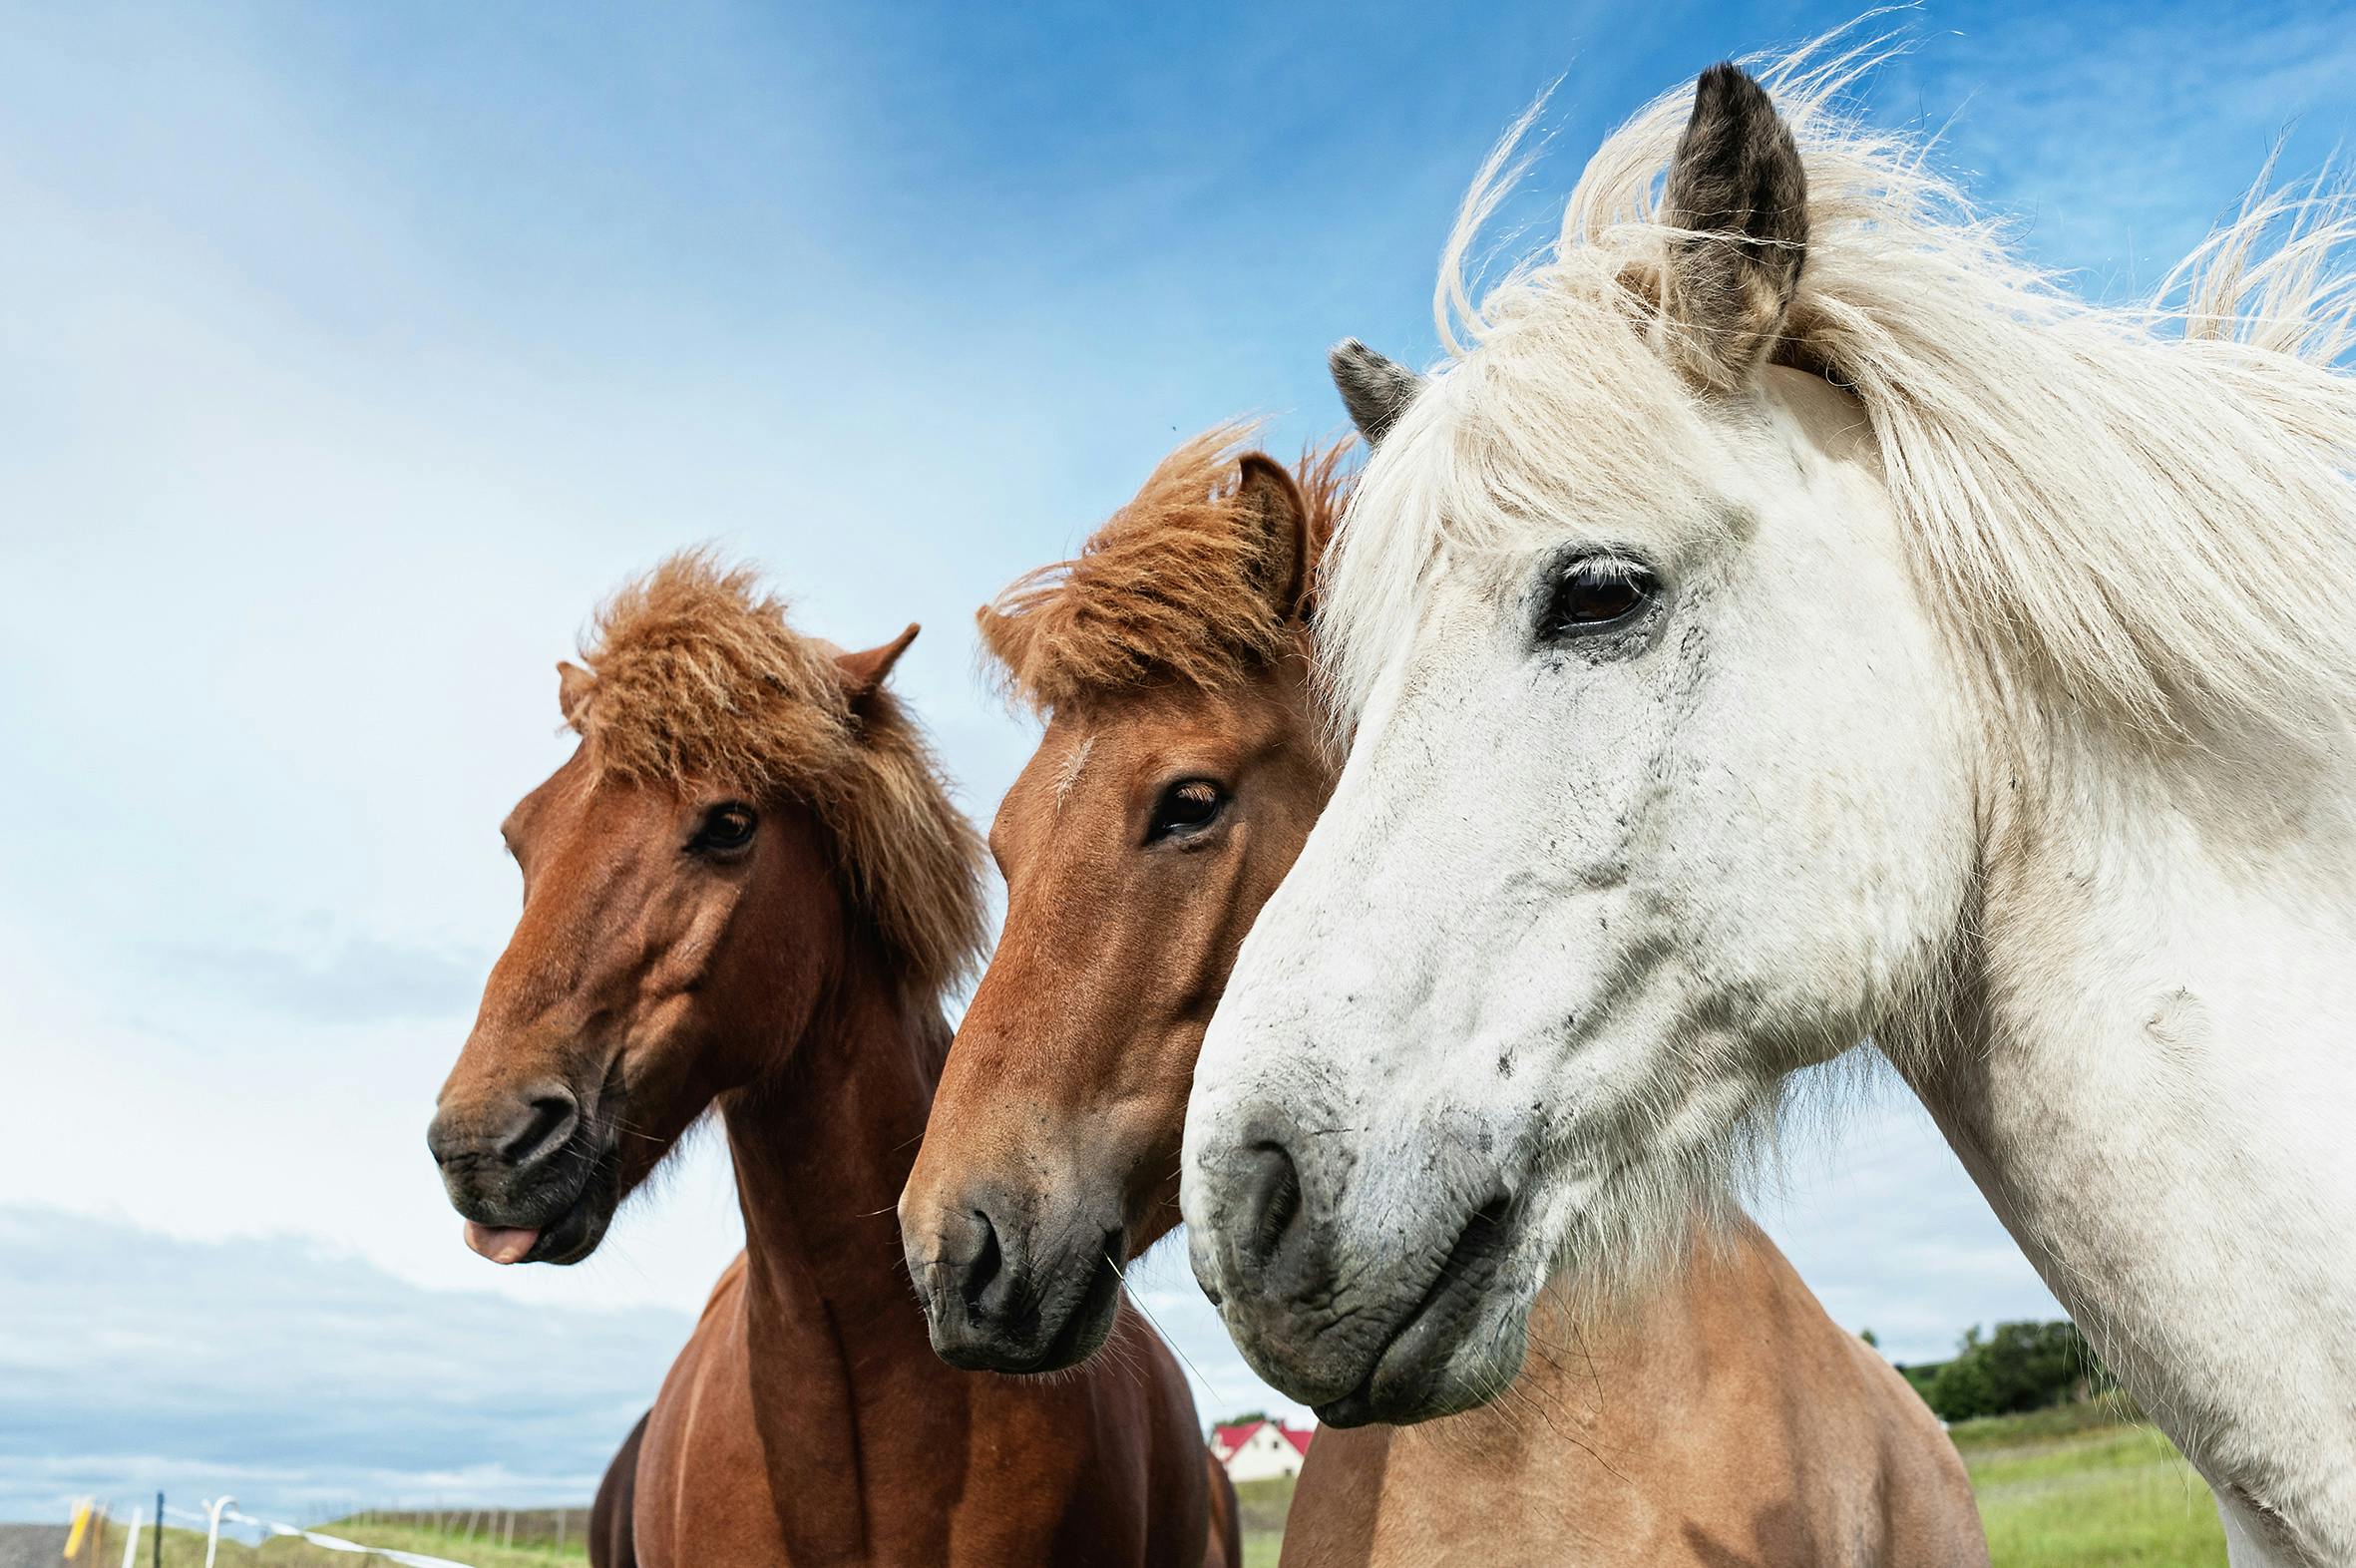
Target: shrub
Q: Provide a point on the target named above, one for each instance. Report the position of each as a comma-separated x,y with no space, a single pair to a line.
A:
2020,1366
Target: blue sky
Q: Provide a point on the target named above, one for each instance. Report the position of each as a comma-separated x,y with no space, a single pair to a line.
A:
349,354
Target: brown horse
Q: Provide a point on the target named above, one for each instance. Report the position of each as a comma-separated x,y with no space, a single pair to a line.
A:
613,1514
1180,772
747,886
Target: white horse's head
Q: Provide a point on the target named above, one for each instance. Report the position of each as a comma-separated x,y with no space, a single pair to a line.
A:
1588,887
1669,775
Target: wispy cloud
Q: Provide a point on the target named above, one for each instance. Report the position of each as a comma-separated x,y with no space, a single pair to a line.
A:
296,1373
351,978
2115,148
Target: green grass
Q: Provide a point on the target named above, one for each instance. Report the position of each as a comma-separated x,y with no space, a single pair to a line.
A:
2075,1487
481,1551
2107,1412
2121,1497
186,1549
1261,1506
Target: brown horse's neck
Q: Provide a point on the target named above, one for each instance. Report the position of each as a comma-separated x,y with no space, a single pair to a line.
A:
822,1148
823,1144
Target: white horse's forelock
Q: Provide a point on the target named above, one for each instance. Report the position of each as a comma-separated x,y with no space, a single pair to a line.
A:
2144,516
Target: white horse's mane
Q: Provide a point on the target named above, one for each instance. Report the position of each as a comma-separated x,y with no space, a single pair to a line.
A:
2143,514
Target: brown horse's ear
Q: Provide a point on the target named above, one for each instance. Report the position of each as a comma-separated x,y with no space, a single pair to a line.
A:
1268,502
1737,183
573,686
864,672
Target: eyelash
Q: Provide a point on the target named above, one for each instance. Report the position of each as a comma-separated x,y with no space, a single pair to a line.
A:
1169,821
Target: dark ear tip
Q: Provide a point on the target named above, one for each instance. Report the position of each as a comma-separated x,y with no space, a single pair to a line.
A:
1350,360
1725,88
1372,388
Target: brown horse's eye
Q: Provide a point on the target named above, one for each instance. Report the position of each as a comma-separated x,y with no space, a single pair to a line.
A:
1596,592
726,828
1188,806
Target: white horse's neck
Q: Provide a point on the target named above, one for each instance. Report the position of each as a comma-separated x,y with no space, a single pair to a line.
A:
2154,1083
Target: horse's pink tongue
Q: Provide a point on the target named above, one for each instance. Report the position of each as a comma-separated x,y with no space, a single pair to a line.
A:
500,1246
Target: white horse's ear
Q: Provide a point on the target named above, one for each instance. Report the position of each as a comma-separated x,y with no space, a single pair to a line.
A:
1269,502
1375,390
573,686
864,672
1736,185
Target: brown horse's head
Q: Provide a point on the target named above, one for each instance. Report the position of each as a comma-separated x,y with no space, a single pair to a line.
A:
1180,771
745,806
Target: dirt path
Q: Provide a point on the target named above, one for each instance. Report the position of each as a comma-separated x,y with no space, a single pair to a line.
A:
32,1545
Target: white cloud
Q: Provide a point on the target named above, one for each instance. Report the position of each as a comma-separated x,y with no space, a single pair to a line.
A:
296,1373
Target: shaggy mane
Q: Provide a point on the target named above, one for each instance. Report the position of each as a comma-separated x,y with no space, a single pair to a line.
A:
1171,586
700,681
2141,518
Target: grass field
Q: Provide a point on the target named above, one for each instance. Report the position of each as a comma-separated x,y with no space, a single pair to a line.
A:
186,1549
2109,1497
2067,1488
1262,1505
479,1552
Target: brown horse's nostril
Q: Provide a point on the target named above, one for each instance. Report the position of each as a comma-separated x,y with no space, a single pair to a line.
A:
546,1126
985,1282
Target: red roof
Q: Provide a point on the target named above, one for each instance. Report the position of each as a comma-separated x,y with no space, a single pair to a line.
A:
1227,1439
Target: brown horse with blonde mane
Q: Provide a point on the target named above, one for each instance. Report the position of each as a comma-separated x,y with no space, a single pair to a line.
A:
748,888
1181,769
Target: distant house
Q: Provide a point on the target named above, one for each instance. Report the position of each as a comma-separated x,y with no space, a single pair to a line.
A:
1260,1451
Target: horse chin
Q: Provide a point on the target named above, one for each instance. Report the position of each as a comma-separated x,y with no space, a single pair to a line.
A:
1084,1333
1413,1382
575,1231
1457,1348
573,1236
1417,1343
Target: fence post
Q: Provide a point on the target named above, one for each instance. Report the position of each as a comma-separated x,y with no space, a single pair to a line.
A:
212,1530
157,1558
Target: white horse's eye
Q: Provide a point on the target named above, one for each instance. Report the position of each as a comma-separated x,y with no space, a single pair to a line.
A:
1595,593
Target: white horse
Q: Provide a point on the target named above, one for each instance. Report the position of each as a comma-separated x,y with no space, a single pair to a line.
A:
1791,619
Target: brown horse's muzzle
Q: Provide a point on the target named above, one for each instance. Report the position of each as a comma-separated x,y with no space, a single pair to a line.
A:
1012,1281
532,1173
